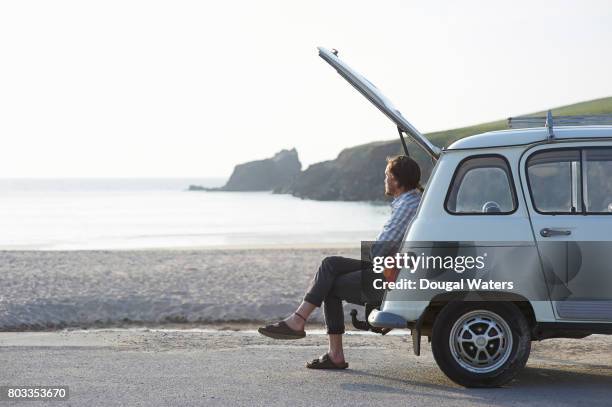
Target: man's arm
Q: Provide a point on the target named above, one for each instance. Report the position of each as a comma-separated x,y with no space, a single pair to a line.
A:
390,238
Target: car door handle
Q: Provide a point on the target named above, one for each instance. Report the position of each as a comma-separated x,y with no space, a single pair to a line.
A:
548,232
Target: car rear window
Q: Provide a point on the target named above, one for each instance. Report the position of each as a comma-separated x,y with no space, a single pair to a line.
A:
482,185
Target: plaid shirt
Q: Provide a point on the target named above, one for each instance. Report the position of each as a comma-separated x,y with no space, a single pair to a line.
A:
403,209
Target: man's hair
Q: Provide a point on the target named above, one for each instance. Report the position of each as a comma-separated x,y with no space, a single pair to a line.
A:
406,171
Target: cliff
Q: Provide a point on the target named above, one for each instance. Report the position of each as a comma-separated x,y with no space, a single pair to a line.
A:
357,174
262,175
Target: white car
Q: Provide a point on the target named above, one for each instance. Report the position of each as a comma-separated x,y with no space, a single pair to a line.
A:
533,204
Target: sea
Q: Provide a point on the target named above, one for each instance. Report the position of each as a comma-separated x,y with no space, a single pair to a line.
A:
158,213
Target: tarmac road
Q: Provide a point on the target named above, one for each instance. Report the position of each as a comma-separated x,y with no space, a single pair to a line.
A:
228,367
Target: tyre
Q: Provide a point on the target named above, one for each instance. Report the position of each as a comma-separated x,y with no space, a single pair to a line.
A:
481,344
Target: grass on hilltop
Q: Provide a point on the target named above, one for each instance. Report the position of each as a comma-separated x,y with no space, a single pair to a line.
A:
446,137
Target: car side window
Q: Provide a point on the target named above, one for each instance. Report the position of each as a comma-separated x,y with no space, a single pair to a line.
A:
482,185
554,181
597,167
571,181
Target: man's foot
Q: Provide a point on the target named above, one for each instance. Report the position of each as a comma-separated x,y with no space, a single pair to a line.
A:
283,330
295,321
327,362
337,358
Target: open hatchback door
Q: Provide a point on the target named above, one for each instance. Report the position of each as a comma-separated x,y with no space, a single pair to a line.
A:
367,89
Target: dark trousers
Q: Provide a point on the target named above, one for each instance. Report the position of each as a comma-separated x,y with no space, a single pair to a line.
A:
338,278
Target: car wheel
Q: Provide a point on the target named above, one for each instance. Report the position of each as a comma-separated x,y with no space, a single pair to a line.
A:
481,344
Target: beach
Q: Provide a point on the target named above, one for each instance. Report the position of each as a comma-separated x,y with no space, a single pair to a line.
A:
58,289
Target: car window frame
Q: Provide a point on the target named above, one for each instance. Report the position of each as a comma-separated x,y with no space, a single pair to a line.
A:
510,177
580,150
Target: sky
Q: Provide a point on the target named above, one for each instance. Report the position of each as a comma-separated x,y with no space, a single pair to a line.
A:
191,88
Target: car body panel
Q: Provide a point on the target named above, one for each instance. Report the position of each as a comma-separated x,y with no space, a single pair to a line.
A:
513,229
580,262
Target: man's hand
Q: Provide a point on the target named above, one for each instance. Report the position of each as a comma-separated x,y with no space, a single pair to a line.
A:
390,274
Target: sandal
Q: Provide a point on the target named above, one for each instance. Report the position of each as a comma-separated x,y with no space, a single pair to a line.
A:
281,330
325,362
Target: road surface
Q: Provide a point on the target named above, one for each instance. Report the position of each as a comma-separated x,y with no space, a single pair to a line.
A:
150,367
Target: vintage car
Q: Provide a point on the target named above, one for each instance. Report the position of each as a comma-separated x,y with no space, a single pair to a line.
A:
534,203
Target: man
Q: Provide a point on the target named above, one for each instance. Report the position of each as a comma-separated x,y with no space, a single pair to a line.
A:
340,278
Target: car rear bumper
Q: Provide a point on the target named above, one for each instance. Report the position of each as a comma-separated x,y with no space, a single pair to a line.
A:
382,319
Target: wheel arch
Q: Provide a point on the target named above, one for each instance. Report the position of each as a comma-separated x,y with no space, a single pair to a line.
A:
440,301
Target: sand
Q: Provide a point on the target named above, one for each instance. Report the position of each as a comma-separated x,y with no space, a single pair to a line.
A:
57,289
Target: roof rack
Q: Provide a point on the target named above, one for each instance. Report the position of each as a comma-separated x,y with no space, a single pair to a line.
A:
522,122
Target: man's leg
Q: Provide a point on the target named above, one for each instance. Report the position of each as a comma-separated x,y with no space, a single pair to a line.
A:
346,287
321,284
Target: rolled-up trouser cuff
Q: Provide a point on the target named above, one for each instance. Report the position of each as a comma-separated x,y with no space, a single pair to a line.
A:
335,331
313,300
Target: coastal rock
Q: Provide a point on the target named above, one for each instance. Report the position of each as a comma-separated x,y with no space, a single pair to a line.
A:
357,174
262,175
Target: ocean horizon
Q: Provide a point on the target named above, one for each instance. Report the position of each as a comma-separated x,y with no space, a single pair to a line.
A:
159,213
